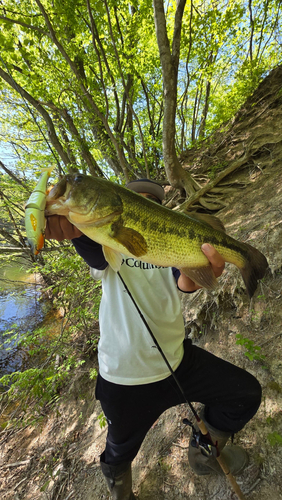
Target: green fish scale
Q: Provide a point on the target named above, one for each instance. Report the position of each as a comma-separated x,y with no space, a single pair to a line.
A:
174,238
132,225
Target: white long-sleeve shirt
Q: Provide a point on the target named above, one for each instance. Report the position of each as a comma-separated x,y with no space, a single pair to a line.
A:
126,352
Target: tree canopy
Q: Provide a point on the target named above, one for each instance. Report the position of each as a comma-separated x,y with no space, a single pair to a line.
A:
121,89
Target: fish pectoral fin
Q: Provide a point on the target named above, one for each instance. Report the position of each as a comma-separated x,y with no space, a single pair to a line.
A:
202,276
113,258
133,241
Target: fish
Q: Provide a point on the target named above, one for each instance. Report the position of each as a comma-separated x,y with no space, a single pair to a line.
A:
126,223
35,213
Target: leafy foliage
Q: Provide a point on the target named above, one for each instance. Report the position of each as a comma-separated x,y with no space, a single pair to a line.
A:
275,438
55,354
12,197
253,351
87,78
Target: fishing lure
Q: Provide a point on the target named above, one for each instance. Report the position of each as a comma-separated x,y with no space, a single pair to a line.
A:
35,213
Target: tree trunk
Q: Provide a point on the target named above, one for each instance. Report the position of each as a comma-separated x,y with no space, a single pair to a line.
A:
176,175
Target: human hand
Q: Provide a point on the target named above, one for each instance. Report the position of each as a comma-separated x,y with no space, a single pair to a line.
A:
59,228
217,263
216,260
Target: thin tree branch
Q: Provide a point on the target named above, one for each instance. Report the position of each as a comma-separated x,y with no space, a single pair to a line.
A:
35,103
252,30
14,177
84,90
24,25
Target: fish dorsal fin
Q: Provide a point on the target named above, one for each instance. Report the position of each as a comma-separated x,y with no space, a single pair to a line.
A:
211,220
113,258
202,276
133,241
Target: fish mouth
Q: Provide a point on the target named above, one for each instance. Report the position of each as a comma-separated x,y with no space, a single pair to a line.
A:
58,191
57,197
65,199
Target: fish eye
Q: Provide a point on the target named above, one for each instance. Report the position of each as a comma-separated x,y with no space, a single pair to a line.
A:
78,178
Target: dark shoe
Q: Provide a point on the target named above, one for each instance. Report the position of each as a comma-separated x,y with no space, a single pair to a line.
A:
119,480
235,457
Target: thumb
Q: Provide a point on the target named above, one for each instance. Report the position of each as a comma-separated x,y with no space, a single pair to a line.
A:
213,255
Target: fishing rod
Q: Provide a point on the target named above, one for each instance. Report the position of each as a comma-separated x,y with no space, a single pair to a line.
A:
202,437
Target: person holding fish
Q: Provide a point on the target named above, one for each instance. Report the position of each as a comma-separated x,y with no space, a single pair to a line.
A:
134,384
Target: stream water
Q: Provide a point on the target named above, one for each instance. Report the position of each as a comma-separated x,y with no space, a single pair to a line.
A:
20,311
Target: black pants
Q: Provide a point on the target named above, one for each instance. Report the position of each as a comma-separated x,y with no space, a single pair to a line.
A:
230,394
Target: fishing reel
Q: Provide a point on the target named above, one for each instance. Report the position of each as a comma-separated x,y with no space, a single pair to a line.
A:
200,441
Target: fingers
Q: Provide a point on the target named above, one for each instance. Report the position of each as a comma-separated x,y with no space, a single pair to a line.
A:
53,229
186,284
216,260
59,228
69,230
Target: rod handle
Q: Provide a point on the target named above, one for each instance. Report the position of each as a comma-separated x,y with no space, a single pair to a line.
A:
224,467
231,478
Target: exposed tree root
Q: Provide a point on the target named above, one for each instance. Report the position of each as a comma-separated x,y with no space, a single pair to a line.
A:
250,140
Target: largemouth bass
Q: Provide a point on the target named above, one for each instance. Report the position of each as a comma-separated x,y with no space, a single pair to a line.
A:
124,222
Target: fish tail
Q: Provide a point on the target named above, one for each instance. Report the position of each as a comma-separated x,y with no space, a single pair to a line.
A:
48,169
43,179
42,182
254,268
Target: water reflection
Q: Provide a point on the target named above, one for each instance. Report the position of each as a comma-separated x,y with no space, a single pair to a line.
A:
20,312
